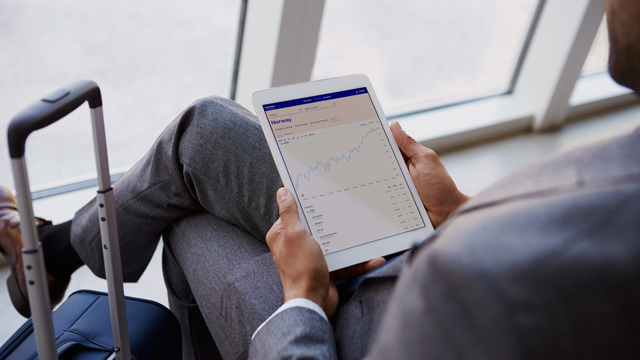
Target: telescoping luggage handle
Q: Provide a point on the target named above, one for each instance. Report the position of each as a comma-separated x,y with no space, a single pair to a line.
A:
50,109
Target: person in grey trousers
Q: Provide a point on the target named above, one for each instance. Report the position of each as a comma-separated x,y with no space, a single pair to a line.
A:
543,264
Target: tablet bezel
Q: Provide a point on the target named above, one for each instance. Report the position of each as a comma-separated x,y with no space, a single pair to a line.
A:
357,254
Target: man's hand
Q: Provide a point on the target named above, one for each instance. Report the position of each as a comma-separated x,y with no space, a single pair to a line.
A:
438,192
301,265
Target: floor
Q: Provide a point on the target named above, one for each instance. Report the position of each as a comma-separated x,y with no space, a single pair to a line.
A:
473,168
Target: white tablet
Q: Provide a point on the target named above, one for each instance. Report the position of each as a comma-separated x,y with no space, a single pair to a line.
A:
334,150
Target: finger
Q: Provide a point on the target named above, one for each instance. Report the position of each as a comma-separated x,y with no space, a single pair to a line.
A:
288,207
358,269
395,128
406,143
332,301
272,233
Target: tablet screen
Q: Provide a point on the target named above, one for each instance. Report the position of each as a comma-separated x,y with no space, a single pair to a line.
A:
343,169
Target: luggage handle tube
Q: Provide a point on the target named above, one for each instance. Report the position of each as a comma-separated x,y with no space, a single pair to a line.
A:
33,264
110,244
50,109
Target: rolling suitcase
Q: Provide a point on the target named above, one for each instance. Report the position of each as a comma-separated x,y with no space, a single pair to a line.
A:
89,324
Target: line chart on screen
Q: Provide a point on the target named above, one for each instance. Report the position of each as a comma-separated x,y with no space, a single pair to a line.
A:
339,158
349,184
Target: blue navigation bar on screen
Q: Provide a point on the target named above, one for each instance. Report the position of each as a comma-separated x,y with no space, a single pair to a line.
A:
312,99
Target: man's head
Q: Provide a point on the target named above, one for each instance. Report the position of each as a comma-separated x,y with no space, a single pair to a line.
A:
623,21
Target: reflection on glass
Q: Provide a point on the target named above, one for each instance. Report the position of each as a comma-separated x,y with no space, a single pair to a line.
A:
421,53
598,58
151,58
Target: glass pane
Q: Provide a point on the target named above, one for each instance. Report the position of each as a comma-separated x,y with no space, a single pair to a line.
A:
421,53
598,58
151,59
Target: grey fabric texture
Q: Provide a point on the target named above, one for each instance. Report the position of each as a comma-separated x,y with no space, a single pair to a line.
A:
196,339
208,187
232,277
212,158
296,333
357,321
543,265
236,286
534,267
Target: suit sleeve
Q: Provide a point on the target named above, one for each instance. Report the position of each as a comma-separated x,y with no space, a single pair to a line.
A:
295,333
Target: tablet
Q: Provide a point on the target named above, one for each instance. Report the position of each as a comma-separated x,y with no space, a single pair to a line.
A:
334,150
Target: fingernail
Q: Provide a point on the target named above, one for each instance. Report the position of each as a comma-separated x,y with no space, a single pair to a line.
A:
282,194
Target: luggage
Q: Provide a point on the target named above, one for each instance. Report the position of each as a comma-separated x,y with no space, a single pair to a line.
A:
82,330
89,324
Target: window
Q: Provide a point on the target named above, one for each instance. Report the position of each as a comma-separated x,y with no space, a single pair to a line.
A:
595,88
518,60
151,59
598,58
425,53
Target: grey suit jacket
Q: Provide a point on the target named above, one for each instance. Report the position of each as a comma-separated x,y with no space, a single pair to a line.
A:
545,264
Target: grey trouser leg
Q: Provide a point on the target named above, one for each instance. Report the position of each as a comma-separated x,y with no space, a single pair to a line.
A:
232,282
212,167
208,185
212,158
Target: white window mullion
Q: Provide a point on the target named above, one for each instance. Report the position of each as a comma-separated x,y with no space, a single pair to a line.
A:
559,47
279,45
298,41
259,44
281,37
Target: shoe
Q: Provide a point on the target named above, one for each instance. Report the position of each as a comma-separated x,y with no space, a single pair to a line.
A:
11,248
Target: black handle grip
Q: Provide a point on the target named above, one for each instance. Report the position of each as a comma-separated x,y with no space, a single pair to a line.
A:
50,109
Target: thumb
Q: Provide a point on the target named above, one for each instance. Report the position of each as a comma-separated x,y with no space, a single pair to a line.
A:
287,206
406,143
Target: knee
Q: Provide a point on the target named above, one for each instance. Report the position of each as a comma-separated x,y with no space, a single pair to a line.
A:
211,103
212,124
218,108
217,115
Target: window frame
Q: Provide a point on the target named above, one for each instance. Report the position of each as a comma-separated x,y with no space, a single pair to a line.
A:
281,36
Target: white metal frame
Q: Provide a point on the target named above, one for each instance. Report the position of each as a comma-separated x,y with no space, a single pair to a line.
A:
597,92
279,45
280,41
560,46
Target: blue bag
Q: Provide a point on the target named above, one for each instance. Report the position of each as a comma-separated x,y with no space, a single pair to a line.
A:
83,331
89,325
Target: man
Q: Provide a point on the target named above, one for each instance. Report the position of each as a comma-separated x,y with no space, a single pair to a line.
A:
544,264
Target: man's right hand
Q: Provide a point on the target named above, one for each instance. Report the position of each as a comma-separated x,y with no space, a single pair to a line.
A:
438,192
300,261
